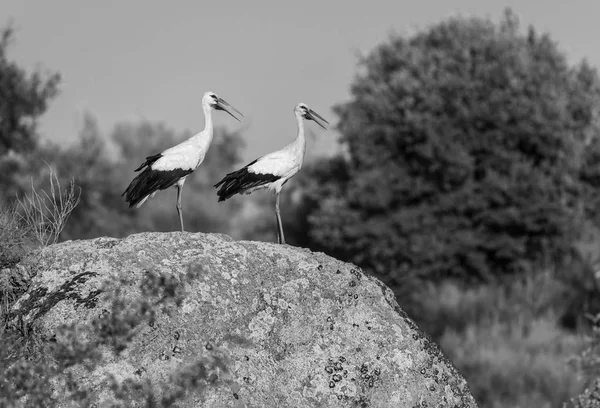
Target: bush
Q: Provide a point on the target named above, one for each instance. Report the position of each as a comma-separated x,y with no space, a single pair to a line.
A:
16,242
506,339
16,238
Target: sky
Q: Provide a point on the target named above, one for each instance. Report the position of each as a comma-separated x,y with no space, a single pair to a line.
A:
133,60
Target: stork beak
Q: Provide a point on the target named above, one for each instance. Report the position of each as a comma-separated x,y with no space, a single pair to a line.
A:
312,115
223,105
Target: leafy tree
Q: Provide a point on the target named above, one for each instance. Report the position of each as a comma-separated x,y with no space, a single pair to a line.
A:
23,98
466,144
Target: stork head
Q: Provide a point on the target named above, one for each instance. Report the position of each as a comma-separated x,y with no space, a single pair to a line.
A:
307,113
211,100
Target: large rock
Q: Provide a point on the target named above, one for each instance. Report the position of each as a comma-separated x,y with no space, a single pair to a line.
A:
293,328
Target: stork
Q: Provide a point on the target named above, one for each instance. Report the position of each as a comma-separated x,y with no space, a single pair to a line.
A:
172,166
272,170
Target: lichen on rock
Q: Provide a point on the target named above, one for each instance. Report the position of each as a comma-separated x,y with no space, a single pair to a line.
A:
291,327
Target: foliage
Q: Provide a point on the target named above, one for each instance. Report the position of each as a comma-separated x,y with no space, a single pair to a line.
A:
16,242
23,98
16,239
465,147
506,339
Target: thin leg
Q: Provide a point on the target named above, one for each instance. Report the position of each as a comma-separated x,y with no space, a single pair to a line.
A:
280,236
179,210
278,233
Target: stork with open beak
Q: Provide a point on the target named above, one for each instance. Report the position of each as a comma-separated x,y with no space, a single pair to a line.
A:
272,170
172,166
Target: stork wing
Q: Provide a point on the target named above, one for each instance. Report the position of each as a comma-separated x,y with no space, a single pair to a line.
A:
279,163
175,161
149,161
274,166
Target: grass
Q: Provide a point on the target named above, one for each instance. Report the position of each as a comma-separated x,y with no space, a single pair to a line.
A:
46,212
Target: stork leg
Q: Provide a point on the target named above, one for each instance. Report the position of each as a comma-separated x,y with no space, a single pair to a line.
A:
179,210
280,237
278,233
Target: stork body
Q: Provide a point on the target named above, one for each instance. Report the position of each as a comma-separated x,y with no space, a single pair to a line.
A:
272,170
172,166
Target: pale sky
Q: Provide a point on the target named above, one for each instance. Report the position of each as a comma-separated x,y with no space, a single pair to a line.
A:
128,60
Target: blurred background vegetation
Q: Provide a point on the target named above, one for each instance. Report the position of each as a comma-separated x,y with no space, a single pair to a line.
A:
468,180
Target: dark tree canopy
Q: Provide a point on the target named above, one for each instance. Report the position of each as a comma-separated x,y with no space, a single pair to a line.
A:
23,98
465,149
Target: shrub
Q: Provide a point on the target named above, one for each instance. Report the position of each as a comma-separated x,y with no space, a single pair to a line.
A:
506,339
16,242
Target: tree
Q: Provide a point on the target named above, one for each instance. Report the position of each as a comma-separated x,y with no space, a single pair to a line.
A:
23,98
465,148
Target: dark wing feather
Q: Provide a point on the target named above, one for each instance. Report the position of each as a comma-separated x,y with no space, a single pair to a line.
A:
149,161
242,180
149,181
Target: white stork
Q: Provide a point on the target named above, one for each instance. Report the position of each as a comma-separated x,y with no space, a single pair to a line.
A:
172,166
272,170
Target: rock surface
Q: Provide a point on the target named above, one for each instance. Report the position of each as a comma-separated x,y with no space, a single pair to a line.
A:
293,328
589,398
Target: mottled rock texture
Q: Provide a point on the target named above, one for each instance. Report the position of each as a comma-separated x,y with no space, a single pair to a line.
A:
589,398
293,328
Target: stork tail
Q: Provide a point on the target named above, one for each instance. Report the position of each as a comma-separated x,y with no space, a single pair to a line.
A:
149,182
242,180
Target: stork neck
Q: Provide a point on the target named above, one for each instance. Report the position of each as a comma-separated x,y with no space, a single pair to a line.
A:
202,140
208,125
300,141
